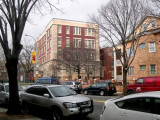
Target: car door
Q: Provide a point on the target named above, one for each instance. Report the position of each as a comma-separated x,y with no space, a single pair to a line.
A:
156,111
139,85
136,109
92,88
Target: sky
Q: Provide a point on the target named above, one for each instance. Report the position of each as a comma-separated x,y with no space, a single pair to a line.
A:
77,10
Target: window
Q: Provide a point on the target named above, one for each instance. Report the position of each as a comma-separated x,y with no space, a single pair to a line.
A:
139,81
76,30
59,54
157,106
153,23
67,42
130,52
59,41
59,28
77,42
89,31
153,69
67,29
142,45
142,67
144,27
152,47
89,43
131,71
136,104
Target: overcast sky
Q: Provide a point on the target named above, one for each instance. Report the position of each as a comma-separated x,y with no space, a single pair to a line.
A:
77,10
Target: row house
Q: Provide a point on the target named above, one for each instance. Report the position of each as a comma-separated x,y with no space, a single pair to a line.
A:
66,35
147,57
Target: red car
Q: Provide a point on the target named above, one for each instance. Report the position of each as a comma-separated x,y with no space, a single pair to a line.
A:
144,84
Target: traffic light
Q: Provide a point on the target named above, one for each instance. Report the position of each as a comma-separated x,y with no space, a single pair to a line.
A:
33,57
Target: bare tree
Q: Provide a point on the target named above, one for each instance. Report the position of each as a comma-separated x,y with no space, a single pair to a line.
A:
77,58
25,59
118,21
14,14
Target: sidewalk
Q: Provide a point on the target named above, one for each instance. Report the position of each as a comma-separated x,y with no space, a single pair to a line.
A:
4,116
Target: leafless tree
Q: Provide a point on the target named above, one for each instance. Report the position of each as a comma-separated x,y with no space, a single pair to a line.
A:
77,58
25,58
118,21
13,17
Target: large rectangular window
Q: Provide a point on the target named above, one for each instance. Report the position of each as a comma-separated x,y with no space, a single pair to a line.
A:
76,30
153,69
130,52
67,29
67,41
59,41
89,43
59,28
131,71
152,47
89,31
77,42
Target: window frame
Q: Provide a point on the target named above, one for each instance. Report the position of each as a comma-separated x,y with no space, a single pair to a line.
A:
140,67
131,71
152,70
59,44
152,47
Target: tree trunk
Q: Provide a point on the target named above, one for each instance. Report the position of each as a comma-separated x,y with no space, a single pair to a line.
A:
14,106
124,80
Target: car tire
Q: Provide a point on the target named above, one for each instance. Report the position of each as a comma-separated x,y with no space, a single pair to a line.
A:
102,93
86,92
57,114
129,92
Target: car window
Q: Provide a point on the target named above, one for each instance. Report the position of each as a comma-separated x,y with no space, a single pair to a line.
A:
136,104
46,81
1,88
111,84
61,91
98,84
157,106
104,84
69,83
139,81
94,85
37,91
77,83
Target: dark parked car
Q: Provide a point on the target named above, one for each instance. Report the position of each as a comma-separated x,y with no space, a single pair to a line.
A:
58,99
101,88
47,80
76,86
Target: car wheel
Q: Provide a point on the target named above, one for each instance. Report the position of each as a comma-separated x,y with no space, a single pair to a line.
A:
102,93
86,92
57,114
130,92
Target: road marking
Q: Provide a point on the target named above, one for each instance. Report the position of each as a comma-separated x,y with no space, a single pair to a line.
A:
98,101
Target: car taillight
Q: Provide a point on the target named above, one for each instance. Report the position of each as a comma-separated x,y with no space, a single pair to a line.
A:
107,88
74,85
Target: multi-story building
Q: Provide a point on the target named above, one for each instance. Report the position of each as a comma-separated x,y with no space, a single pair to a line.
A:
62,36
147,57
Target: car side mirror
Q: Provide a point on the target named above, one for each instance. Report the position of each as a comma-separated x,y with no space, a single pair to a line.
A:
46,95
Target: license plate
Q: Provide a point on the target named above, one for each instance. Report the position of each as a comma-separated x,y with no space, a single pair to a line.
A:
86,110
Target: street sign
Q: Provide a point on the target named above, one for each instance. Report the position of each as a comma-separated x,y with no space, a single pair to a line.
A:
37,65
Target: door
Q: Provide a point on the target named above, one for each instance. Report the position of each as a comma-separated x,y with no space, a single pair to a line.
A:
156,111
148,85
139,85
136,109
92,88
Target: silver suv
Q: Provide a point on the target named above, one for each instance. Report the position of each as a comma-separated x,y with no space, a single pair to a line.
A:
76,86
58,99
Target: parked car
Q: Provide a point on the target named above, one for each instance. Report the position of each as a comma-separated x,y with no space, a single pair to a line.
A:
58,99
101,88
141,106
47,80
144,84
4,93
76,86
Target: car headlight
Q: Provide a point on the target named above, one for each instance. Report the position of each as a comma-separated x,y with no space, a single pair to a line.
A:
69,105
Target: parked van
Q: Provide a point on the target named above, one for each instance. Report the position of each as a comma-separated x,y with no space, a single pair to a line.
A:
47,80
144,84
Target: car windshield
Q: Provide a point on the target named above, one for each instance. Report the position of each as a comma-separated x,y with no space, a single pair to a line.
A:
19,88
61,91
